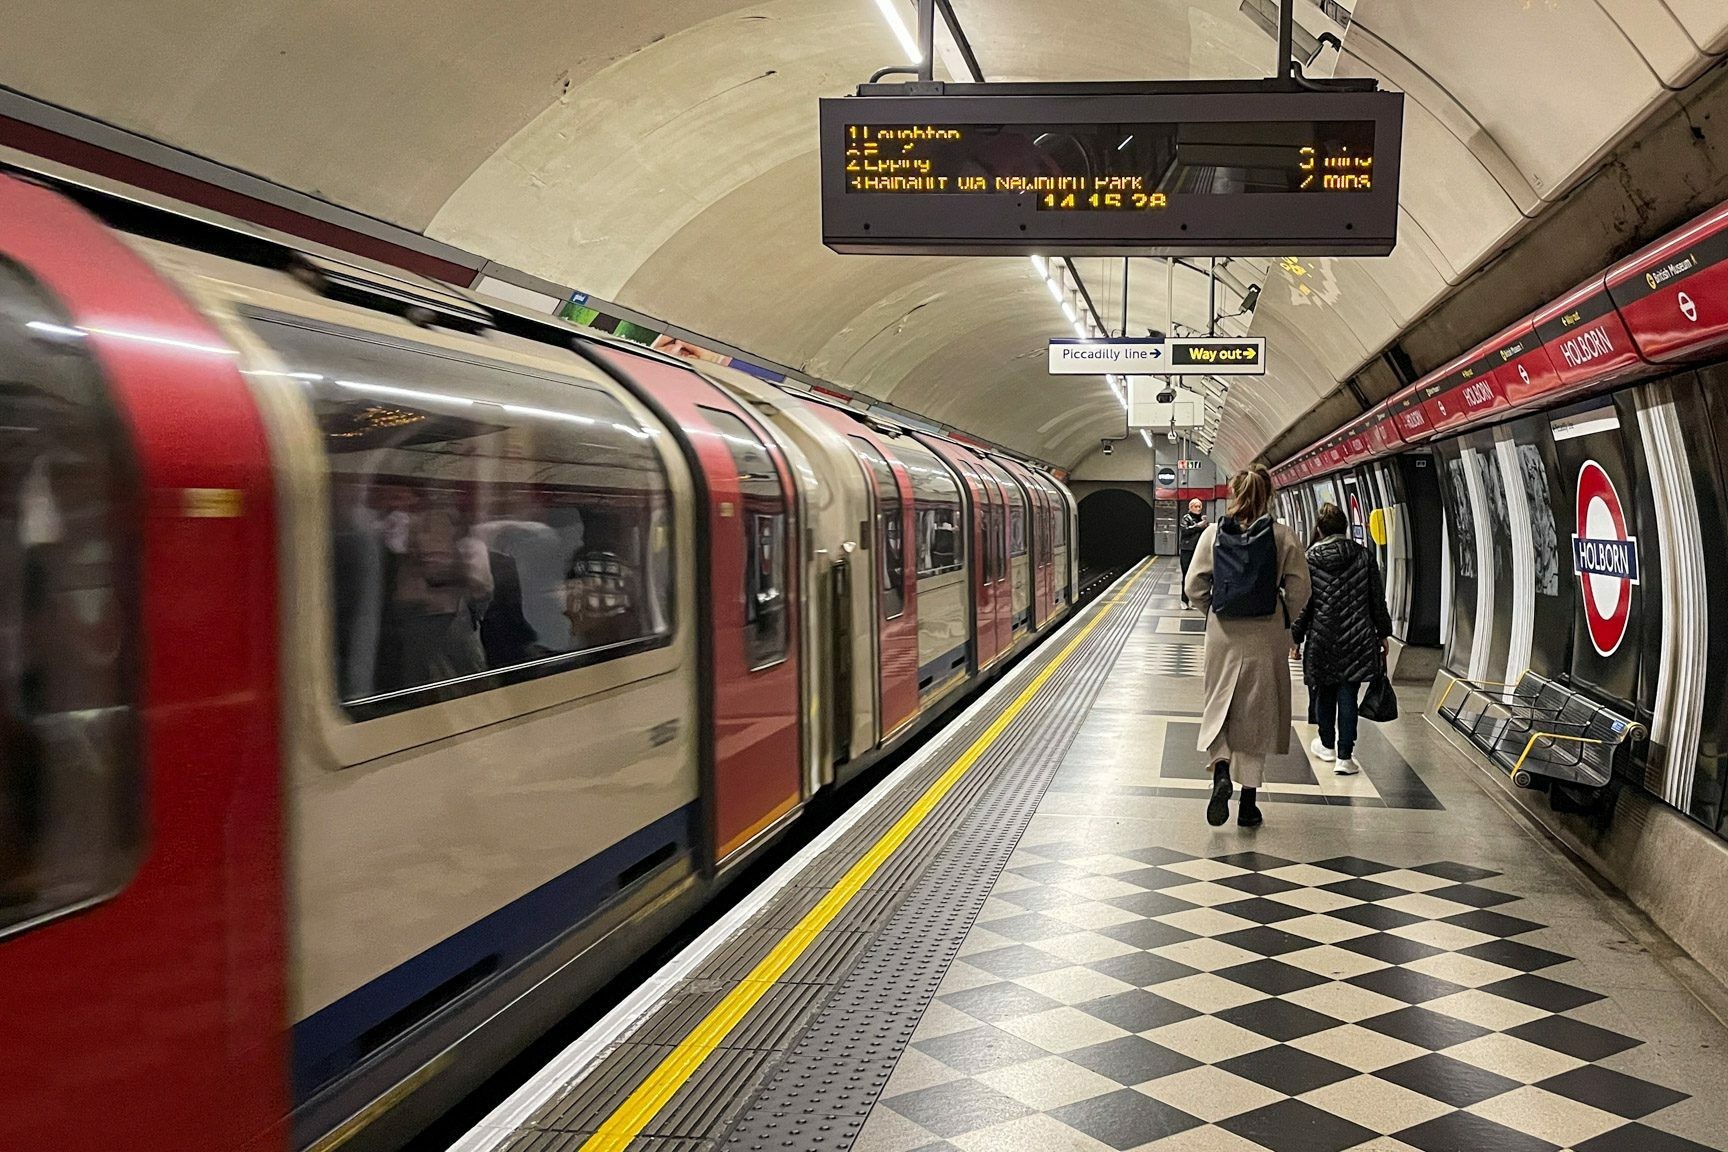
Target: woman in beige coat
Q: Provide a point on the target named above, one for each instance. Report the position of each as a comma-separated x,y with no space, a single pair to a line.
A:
1247,715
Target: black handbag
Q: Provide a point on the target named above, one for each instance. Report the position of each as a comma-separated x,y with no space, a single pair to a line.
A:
1379,703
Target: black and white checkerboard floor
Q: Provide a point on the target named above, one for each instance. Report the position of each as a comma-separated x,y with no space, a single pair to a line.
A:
1188,1004
1336,980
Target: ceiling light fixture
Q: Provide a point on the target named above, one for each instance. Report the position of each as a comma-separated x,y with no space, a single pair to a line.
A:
897,21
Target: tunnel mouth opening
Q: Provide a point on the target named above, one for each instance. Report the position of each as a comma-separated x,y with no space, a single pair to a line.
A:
1115,530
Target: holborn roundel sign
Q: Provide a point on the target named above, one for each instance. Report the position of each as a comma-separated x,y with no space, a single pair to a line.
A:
1605,557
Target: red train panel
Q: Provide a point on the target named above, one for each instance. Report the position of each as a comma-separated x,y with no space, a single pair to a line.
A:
1039,551
103,1038
752,584
890,560
992,596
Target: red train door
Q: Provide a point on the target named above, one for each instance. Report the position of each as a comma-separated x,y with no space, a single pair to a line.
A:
751,574
752,774
896,583
989,630
142,966
1040,552
1001,600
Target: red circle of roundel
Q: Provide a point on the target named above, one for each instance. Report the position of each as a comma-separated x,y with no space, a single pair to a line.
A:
1607,629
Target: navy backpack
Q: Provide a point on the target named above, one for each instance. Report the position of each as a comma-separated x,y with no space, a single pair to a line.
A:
1244,569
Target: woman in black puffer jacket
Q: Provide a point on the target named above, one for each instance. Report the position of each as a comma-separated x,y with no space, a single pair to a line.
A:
1342,635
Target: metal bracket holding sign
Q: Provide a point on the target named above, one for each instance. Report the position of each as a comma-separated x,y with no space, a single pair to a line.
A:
1186,411
1177,356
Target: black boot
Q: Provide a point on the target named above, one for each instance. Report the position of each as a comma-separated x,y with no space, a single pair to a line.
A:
1248,812
1218,810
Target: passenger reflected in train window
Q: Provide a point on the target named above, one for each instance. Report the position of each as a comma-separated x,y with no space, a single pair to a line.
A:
938,539
490,524
440,586
71,790
539,543
600,600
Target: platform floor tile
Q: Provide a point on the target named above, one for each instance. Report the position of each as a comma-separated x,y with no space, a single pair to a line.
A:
1403,1016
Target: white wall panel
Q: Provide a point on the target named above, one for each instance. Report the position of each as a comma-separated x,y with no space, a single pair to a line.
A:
1705,21
1553,84
1458,202
1652,27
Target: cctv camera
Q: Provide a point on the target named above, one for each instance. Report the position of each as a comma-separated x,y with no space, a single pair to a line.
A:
1108,447
1168,396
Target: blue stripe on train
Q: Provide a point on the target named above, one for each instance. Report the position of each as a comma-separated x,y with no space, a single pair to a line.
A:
331,1041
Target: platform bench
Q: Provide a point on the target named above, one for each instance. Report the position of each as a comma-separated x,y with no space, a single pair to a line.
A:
1538,730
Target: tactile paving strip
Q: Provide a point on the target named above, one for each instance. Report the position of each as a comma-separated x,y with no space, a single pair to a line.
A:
820,1096
847,1007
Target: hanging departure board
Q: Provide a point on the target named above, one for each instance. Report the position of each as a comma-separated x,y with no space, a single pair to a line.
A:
1089,170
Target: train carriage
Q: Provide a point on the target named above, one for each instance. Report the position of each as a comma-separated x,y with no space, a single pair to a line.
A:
386,669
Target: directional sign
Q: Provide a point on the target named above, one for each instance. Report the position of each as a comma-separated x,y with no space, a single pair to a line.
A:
1179,356
1214,356
1108,357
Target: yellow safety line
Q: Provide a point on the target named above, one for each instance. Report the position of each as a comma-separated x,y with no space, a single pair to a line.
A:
663,1083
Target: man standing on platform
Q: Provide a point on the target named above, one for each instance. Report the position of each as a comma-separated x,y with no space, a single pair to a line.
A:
1193,523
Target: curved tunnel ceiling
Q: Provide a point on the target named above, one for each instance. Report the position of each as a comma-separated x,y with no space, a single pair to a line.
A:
662,155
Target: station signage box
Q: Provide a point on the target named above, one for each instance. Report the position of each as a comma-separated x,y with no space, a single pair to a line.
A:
1177,356
1185,169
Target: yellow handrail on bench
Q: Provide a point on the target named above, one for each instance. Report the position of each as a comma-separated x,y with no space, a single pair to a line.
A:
1472,685
1531,743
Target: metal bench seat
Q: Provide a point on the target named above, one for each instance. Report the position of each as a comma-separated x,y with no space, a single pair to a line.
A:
1536,729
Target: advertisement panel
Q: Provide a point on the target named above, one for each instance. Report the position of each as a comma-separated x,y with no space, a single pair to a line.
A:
1551,574
1461,544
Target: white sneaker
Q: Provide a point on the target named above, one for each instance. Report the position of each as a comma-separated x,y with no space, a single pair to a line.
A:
1322,753
1346,767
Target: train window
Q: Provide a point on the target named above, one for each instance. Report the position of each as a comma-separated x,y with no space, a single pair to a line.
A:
763,521
938,539
937,547
989,514
490,524
890,530
71,789
1045,551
